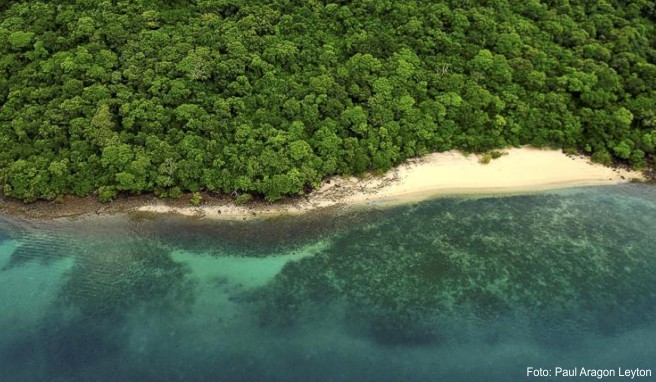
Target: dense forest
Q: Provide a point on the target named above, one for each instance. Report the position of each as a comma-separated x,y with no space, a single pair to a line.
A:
269,97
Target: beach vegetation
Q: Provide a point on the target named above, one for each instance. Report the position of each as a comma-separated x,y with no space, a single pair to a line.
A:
487,157
602,157
495,154
243,199
175,193
196,199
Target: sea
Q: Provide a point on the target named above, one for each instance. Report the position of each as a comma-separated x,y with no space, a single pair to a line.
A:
467,288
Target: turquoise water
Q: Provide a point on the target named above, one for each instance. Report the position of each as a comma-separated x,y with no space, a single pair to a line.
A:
454,289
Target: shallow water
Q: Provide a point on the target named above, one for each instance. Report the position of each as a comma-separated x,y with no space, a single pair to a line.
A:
466,289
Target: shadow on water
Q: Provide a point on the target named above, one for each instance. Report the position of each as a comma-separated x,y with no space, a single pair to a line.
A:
109,279
41,249
84,323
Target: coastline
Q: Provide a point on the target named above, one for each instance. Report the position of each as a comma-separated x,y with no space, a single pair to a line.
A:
519,170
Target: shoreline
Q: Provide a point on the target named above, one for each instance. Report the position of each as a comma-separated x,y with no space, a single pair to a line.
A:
518,171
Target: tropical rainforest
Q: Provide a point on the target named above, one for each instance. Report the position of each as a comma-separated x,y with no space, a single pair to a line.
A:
269,97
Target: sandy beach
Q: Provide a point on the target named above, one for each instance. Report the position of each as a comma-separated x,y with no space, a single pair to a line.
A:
519,170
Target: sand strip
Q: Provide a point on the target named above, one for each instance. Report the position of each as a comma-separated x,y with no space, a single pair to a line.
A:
519,170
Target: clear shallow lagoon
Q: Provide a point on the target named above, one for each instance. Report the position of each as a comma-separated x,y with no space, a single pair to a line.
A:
455,289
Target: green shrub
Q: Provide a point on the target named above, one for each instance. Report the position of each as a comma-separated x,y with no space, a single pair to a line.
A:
175,193
107,193
570,151
243,199
602,156
496,154
196,199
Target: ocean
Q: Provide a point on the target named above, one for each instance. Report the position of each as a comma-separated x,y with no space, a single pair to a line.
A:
480,288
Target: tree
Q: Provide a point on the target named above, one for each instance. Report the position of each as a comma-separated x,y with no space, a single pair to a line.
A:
267,98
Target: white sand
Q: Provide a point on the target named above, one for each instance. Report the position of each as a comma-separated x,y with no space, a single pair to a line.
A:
519,170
